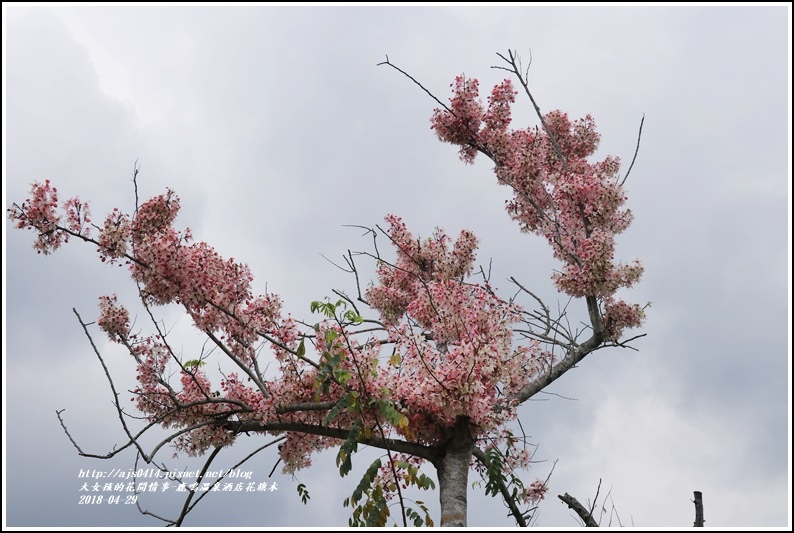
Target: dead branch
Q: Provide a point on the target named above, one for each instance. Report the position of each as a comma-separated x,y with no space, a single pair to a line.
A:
699,520
579,509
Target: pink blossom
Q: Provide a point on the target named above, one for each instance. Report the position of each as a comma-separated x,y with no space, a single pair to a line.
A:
113,319
575,204
39,214
535,492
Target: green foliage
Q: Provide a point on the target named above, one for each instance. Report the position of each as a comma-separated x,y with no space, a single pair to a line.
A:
347,449
303,493
414,477
366,481
387,409
329,310
330,370
194,363
375,510
417,518
349,401
369,503
494,472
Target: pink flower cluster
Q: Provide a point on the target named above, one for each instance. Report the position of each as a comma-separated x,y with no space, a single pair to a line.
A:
115,236
454,337
418,262
558,194
619,315
215,292
113,319
77,216
462,122
39,213
535,492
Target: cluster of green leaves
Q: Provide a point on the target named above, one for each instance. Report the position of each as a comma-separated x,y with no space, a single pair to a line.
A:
374,511
370,506
333,346
369,502
329,309
350,446
344,457
330,370
303,493
417,517
495,473
415,477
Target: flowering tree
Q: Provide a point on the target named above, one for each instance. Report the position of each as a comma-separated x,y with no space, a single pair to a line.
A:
427,363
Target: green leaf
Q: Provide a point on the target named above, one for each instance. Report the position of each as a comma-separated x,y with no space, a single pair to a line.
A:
342,375
346,450
335,410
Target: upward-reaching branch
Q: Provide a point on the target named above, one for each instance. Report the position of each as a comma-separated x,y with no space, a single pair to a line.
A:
515,69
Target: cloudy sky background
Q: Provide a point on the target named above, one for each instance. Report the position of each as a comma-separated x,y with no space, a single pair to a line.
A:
276,128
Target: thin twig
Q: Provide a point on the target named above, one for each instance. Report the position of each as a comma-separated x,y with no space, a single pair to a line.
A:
398,69
636,151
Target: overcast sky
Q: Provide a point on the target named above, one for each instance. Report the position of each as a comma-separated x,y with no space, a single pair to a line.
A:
276,128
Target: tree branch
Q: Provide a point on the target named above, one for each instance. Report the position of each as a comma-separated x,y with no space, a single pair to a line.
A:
579,509
571,359
636,151
428,453
512,61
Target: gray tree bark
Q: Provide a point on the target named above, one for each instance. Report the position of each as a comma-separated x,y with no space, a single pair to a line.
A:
699,509
453,474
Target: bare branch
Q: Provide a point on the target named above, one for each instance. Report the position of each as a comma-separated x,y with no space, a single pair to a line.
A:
636,151
401,71
579,509
571,358
598,490
187,509
343,269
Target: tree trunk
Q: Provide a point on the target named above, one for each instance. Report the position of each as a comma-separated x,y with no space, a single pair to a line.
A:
453,475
